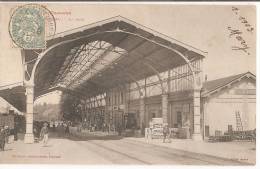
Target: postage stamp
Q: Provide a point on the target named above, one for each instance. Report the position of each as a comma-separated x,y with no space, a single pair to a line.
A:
30,25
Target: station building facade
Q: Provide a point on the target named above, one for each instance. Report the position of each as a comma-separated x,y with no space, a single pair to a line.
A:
135,104
220,99
229,104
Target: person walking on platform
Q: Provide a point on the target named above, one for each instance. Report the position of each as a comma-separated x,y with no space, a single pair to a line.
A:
44,134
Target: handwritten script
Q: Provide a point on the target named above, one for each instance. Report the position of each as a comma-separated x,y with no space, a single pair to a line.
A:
238,34
243,20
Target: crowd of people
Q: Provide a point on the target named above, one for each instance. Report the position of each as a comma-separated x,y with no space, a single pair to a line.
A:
61,128
105,127
58,128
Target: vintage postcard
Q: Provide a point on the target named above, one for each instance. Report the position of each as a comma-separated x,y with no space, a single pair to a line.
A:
142,84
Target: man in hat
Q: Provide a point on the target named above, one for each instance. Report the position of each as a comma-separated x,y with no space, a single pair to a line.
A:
166,133
2,138
7,133
44,134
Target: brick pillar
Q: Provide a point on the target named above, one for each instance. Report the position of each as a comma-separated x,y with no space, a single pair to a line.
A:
29,138
165,108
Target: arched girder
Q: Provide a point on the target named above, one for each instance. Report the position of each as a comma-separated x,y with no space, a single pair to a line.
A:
112,31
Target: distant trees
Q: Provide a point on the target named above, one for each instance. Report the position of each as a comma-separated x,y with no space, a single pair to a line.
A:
70,107
47,112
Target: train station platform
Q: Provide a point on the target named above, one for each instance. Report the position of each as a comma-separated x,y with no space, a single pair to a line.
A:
123,150
243,151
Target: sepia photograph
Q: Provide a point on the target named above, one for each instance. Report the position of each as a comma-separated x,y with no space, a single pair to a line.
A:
128,84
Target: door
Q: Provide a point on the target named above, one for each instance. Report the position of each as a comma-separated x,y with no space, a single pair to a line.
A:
179,119
206,131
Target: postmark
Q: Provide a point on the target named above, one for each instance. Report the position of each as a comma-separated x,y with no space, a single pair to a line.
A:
30,25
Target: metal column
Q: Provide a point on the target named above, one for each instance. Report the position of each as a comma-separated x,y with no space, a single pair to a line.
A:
196,115
165,108
142,113
29,138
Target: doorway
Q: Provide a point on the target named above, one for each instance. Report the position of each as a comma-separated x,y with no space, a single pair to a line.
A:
179,119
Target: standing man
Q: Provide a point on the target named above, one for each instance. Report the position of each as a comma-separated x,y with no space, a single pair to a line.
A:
44,134
35,133
149,133
119,129
187,128
7,133
67,130
2,138
166,133
15,131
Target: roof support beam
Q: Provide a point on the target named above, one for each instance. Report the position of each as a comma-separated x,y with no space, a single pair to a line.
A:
64,70
106,52
82,66
157,73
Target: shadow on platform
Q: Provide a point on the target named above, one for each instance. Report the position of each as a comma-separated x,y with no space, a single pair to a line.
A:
85,137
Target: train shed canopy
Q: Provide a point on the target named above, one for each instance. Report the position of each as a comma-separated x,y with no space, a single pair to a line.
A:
91,59
15,95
